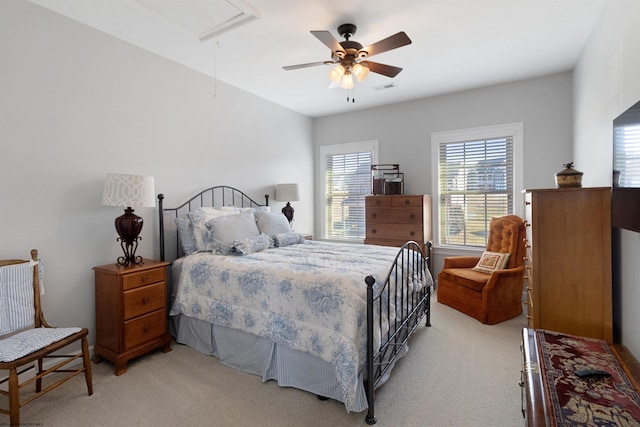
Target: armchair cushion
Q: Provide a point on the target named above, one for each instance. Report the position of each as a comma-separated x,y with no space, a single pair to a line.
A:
465,277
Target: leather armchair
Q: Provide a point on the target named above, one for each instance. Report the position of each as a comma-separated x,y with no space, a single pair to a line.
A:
490,298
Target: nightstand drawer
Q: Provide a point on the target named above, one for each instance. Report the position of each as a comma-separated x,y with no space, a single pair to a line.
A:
144,328
143,300
145,277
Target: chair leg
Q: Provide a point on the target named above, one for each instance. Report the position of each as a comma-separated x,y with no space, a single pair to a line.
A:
86,360
39,380
14,398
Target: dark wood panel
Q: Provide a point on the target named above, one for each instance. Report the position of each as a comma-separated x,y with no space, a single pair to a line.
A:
625,208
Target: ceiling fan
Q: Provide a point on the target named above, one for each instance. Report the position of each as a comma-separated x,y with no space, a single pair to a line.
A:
352,58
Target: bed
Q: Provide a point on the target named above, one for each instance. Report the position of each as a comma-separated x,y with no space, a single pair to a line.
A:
328,318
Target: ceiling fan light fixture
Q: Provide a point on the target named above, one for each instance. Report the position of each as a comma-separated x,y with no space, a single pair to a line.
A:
361,71
336,74
347,81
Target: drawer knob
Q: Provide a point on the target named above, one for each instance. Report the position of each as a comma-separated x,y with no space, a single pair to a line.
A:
144,279
378,202
145,300
412,216
146,328
407,201
373,231
412,233
373,215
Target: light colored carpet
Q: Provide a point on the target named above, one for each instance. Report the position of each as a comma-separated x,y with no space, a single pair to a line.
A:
458,372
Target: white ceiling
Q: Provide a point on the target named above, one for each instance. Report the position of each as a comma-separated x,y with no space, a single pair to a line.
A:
457,44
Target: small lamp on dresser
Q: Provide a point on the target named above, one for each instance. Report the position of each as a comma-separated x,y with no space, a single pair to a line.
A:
128,191
287,193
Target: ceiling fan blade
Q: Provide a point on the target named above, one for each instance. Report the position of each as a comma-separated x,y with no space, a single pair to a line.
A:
308,64
385,70
391,42
328,40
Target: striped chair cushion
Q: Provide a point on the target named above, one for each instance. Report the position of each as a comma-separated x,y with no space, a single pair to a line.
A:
26,342
16,297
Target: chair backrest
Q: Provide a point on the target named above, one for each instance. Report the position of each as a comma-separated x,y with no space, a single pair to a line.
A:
507,235
19,294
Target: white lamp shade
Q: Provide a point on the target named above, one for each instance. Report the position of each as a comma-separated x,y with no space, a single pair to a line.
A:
347,81
287,193
129,190
361,71
336,74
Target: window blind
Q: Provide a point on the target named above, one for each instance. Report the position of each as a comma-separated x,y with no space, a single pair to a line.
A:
626,155
475,185
348,181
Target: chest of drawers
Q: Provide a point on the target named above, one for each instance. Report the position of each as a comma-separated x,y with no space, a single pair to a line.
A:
131,312
391,220
568,263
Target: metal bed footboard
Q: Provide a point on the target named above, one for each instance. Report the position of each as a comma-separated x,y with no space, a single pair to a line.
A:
409,266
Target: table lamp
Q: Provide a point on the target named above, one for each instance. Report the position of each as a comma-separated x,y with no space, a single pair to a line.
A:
130,191
287,193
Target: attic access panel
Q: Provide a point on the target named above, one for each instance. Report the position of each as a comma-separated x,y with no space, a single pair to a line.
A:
205,18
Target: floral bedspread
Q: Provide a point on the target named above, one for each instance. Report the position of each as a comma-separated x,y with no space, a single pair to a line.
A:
310,297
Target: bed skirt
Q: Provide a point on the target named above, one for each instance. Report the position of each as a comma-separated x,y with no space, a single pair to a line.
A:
261,356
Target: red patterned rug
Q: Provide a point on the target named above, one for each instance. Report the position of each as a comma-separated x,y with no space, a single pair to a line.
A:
606,401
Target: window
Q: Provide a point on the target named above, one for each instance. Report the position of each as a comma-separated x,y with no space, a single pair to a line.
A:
626,148
475,180
346,180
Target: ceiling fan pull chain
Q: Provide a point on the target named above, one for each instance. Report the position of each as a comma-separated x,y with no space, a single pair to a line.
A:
351,96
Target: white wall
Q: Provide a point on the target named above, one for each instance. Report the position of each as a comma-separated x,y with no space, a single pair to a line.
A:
544,105
76,103
606,84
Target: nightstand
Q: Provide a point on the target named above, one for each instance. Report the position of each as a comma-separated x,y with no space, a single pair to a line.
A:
131,312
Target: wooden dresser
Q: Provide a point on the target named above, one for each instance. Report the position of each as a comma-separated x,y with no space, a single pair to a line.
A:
568,265
131,311
392,220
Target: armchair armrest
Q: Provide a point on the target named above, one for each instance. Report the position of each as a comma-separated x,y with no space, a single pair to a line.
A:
503,292
461,261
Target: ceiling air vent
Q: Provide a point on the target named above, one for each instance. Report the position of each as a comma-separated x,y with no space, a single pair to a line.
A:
385,86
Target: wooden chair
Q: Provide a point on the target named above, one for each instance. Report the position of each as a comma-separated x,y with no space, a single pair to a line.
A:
490,298
26,337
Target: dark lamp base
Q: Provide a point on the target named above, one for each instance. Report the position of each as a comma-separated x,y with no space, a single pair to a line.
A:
129,227
288,212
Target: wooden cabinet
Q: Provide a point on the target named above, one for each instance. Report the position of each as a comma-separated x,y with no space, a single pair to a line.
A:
568,265
392,220
131,311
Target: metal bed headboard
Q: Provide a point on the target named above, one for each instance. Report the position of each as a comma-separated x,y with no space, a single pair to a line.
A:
217,196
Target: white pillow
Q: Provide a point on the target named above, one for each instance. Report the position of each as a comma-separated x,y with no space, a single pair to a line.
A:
491,261
230,228
199,218
257,209
185,235
272,223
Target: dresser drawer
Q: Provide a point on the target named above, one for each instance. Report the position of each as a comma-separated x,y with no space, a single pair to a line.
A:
143,300
394,215
141,278
395,231
407,201
144,328
377,201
